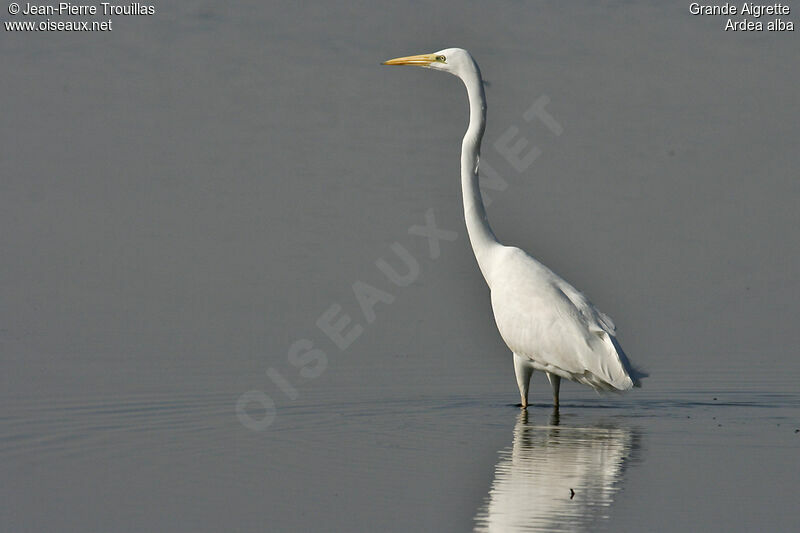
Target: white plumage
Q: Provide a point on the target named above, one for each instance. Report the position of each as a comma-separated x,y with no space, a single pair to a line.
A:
548,324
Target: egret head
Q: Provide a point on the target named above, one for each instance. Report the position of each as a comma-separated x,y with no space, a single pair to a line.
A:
456,61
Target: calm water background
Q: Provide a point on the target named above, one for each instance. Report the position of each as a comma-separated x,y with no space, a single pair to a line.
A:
182,198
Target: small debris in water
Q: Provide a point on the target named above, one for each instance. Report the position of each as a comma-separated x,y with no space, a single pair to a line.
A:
715,399
797,430
572,492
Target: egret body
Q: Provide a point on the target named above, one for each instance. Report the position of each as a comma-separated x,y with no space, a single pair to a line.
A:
548,324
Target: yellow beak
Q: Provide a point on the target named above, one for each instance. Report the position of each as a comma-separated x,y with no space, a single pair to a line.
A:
422,60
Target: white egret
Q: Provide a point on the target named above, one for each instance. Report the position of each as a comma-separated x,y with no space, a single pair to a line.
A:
548,324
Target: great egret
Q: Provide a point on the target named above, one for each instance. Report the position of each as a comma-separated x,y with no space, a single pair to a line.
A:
547,323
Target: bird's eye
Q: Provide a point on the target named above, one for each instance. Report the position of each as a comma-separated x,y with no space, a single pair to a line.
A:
441,59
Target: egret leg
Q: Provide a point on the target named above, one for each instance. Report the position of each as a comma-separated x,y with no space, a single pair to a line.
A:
555,381
523,370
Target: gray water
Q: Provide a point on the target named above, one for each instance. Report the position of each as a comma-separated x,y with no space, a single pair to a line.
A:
183,198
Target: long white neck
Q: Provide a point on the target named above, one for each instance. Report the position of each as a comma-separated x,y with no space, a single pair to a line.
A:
481,236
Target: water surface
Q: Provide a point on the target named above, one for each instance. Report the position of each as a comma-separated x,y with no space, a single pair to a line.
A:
183,198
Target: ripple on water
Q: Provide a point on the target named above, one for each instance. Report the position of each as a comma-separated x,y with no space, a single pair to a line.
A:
111,425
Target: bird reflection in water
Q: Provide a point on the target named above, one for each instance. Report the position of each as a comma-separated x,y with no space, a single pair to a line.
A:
557,477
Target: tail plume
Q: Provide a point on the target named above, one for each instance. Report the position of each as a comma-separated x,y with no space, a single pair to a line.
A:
635,374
